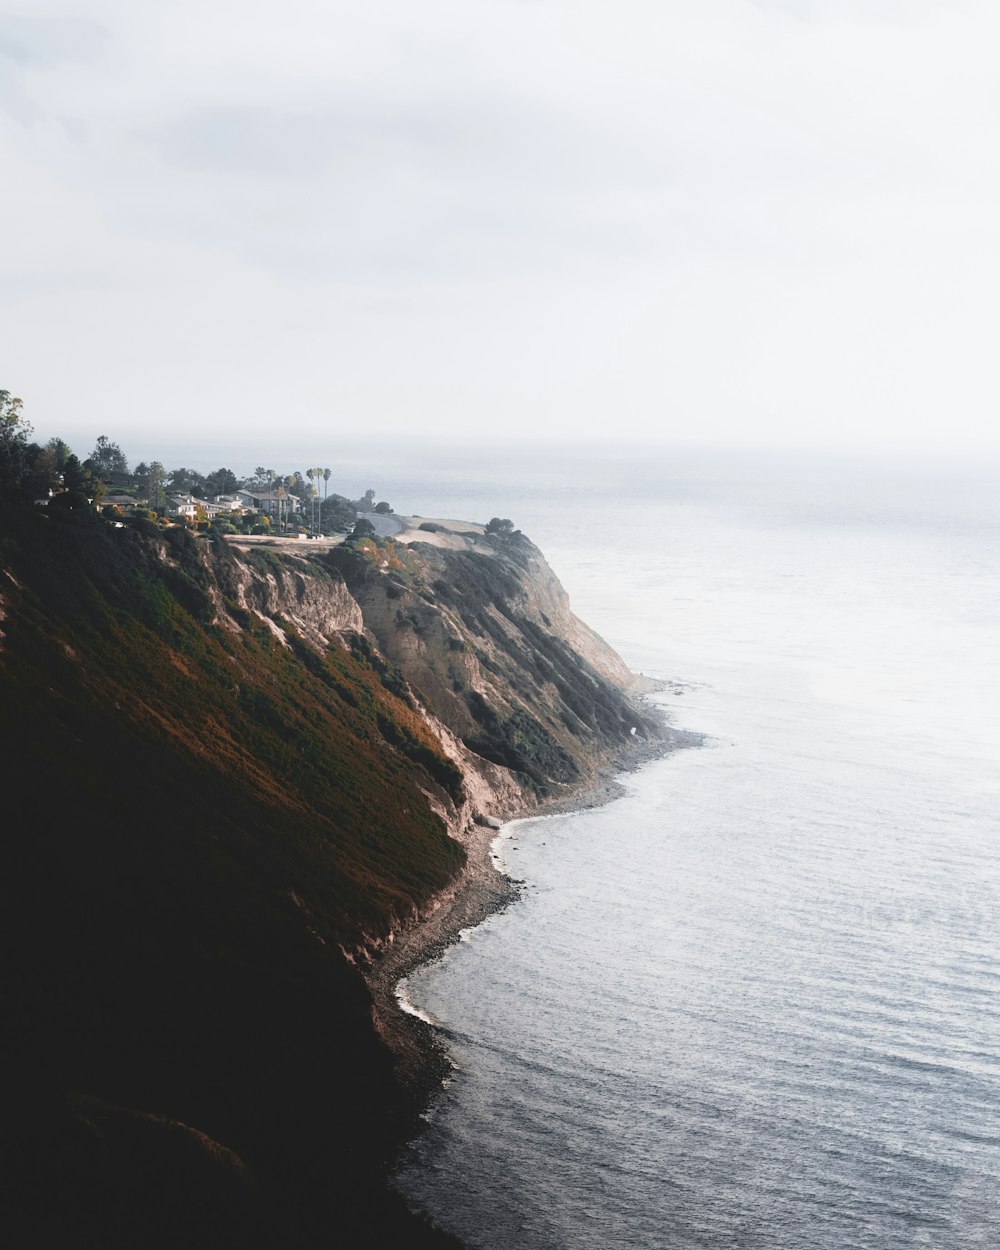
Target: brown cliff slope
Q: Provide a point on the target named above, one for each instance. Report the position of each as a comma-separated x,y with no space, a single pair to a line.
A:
483,632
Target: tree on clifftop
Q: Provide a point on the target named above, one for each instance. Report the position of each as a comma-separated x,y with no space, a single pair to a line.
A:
108,459
222,482
156,485
186,481
75,476
14,434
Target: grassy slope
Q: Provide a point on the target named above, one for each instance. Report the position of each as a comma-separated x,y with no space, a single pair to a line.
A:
195,821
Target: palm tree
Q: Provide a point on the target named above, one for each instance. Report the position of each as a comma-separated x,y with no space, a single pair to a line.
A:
282,500
326,479
290,482
310,474
271,475
315,475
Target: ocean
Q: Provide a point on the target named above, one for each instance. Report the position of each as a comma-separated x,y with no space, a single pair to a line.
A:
756,1001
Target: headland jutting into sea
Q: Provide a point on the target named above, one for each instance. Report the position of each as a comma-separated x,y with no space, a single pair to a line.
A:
254,784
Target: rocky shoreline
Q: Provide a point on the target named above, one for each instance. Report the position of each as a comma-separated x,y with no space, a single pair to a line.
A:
481,890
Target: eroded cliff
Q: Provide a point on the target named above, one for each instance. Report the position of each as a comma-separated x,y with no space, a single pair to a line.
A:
482,630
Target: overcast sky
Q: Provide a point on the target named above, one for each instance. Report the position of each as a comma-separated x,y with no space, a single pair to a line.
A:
723,220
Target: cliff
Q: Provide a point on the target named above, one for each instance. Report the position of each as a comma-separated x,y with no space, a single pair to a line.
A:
234,776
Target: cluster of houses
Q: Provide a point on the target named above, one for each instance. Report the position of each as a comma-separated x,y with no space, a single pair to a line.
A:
190,507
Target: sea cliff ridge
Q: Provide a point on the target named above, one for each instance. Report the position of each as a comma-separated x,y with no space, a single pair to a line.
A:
238,778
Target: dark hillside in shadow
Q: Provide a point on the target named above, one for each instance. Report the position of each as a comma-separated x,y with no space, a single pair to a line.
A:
198,824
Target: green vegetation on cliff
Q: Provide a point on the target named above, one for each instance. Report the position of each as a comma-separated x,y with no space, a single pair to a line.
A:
232,775
198,821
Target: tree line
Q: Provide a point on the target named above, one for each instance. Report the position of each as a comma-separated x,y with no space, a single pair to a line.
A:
36,471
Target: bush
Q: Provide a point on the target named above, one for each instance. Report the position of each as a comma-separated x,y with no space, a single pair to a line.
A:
68,501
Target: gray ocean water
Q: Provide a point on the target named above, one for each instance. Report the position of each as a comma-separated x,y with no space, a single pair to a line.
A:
756,1002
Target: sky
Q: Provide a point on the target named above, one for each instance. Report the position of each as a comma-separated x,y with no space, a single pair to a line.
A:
748,222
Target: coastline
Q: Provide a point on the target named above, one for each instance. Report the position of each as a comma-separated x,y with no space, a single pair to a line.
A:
480,891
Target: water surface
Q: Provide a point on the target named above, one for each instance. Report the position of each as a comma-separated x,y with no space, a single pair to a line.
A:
755,1002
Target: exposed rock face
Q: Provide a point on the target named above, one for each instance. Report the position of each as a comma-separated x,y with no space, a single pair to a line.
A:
483,632
319,605
477,635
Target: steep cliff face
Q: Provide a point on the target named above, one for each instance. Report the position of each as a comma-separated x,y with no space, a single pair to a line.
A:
232,775
303,592
483,631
